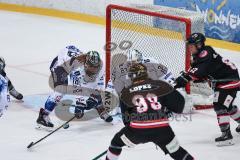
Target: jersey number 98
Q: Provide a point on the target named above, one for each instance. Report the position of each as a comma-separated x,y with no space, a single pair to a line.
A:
143,103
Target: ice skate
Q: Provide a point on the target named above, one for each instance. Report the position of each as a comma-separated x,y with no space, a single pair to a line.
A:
13,92
226,139
43,121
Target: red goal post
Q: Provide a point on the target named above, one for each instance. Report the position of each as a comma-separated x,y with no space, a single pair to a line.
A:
153,30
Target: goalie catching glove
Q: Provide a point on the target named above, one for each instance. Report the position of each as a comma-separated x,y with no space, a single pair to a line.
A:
182,80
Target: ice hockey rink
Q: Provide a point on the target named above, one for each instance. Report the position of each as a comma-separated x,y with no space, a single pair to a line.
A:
28,43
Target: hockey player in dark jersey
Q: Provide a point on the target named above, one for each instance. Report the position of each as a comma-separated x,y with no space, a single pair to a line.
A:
208,65
13,92
144,105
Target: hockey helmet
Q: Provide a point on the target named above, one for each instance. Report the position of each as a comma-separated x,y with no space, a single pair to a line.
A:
92,63
197,39
138,72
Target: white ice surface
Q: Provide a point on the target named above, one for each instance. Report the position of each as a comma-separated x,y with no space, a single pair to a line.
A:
28,43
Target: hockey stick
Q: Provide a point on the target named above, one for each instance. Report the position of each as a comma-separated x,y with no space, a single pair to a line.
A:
34,143
223,80
100,155
214,81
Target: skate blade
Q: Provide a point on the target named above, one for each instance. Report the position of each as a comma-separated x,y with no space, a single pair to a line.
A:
225,143
44,128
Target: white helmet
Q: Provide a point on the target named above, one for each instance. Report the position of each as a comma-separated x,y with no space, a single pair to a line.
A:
134,55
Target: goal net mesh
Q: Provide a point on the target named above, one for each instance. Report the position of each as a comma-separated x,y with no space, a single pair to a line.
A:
156,31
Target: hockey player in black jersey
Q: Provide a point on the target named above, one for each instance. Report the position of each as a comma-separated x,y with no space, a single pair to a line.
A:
208,65
13,92
144,105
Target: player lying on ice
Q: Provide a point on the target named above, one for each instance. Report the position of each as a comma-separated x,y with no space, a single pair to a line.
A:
13,92
151,99
85,71
208,65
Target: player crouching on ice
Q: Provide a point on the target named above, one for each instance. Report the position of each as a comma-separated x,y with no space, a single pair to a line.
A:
207,64
13,92
71,61
144,106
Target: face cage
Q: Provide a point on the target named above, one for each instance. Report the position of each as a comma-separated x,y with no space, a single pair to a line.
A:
91,70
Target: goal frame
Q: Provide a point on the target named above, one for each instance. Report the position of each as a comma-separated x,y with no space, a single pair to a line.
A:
109,9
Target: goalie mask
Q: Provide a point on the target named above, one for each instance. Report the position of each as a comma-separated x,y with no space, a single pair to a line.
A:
137,72
2,63
92,63
134,55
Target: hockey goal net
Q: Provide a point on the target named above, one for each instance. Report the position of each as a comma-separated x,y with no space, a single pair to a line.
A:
158,32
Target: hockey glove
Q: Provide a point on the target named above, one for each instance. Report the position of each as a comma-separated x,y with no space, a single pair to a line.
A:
78,110
94,101
182,80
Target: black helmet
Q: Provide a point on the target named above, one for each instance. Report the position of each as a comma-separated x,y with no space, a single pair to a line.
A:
198,39
138,72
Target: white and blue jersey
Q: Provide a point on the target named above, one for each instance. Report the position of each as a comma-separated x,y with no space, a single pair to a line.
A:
3,94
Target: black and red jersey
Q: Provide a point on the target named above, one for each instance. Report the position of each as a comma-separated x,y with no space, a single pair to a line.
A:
207,64
142,103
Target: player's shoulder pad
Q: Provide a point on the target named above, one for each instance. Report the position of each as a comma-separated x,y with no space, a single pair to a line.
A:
162,88
206,53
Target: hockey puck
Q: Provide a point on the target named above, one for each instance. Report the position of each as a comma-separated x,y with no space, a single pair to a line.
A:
66,126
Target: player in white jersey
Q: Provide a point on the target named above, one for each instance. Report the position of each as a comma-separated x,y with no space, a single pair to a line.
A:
3,94
13,92
83,69
156,71
119,77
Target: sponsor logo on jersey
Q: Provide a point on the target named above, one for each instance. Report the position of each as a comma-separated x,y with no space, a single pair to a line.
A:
100,84
204,53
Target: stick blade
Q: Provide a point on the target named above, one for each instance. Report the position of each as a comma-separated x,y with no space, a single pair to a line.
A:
30,145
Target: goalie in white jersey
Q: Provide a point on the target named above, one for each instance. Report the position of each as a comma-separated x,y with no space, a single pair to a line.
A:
156,71
84,70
